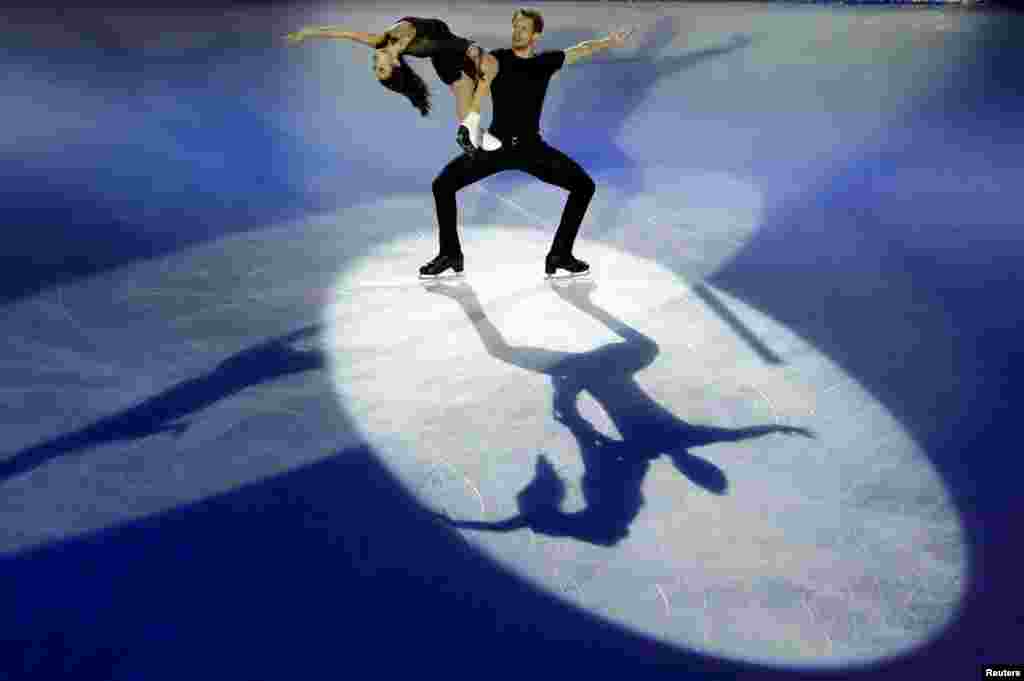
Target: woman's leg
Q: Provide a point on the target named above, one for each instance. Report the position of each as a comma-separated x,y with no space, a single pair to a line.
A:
463,90
467,111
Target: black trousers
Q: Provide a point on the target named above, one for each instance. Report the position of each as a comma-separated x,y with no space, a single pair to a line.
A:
533,156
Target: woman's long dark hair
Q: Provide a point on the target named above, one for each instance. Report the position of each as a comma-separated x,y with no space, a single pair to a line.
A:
405,81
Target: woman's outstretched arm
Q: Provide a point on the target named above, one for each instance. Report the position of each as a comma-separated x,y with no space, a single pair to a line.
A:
335,33
400,35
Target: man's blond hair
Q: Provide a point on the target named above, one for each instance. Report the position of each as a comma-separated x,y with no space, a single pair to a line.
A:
533,15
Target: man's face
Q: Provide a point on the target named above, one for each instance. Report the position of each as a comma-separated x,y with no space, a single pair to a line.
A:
522,32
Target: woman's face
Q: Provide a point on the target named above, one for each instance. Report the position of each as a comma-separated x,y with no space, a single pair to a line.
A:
384,61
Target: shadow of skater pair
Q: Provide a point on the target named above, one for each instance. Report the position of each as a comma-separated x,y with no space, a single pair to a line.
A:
614,469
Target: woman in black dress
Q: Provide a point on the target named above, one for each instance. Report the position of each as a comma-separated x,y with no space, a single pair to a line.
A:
456,60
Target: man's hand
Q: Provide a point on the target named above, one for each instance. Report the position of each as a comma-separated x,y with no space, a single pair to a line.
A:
619,38
488,70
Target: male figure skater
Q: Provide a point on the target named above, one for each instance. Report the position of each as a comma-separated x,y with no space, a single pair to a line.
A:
517,81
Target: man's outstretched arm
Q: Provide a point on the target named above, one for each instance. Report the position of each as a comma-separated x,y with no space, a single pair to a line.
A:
588,48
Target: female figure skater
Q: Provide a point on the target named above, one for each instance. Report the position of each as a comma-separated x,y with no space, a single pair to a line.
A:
456,60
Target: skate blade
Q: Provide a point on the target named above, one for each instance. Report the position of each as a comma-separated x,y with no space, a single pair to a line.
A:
567,275
443,276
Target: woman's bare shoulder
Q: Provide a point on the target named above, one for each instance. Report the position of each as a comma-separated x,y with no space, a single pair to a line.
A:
402,29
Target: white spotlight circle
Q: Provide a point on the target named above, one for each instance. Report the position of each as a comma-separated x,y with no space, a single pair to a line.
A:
810,552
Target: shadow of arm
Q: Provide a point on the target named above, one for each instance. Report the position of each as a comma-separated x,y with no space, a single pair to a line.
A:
709,434
508,525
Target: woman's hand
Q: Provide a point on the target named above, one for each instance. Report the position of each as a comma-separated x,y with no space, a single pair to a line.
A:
296,37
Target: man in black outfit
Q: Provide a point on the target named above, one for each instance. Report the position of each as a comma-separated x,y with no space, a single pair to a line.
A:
517,80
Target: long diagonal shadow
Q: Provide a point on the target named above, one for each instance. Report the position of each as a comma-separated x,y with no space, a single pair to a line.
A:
159,414
602,94
614,470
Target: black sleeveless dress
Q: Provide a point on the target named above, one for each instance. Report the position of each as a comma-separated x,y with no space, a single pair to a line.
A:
446,51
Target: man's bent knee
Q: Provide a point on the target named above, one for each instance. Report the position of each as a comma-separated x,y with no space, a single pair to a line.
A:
441,185
585,185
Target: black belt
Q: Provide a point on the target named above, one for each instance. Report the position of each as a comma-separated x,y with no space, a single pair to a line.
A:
515,140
